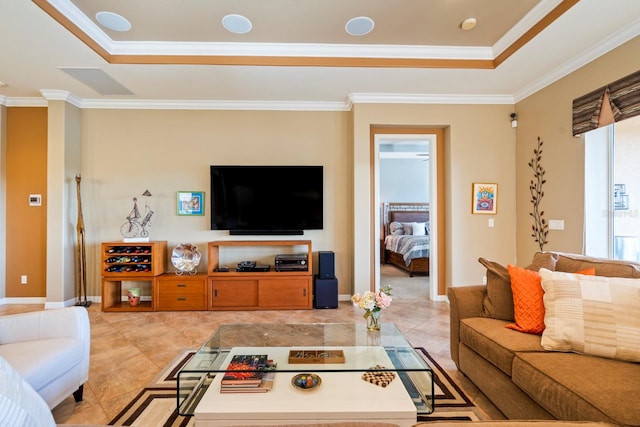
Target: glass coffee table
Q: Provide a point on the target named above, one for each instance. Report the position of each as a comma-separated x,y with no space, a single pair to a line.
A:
352,375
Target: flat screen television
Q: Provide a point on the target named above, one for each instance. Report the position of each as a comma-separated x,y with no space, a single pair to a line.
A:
269,200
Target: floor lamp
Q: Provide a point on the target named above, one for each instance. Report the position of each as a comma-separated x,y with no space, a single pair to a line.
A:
81,254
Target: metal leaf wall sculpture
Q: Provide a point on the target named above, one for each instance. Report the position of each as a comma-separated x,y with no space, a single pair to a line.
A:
540,226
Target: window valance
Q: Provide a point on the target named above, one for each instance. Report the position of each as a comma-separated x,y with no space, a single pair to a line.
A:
612,103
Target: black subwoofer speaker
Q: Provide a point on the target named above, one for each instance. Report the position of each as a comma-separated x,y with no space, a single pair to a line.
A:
325,292
326,264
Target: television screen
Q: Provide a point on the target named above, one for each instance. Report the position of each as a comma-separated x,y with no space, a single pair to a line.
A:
266,199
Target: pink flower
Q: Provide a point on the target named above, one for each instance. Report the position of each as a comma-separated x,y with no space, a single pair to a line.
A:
373,301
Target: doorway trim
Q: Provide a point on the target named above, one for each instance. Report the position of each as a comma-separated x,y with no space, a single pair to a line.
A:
437,258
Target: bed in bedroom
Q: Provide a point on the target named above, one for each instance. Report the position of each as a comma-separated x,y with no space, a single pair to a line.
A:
406,241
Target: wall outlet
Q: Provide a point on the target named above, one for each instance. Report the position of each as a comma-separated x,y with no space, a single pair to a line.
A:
491,222
484,280
23,279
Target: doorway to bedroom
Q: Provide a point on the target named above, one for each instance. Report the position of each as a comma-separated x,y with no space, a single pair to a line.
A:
405,181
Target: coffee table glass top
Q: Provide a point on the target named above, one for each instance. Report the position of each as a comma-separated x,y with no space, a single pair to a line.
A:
309,347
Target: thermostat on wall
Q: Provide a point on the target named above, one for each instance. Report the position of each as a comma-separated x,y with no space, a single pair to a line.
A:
35,199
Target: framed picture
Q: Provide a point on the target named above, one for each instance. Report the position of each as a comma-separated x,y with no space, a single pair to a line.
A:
484,198
190,202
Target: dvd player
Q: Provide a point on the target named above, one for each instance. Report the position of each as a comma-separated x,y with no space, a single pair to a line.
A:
251,266
254,268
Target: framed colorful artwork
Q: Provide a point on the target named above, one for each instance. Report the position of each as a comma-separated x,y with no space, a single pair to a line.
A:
190,202
484,198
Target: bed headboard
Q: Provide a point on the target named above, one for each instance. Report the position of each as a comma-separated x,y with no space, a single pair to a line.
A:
405,216
409,216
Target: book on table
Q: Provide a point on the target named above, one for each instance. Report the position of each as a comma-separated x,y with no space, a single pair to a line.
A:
265,384
245,370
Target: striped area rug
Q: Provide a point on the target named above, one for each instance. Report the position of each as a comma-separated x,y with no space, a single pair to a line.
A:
155,405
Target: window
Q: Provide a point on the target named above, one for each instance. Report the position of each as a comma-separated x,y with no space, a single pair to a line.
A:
612,191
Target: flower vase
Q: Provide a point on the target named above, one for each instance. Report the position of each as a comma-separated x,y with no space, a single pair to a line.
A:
373,320
133,295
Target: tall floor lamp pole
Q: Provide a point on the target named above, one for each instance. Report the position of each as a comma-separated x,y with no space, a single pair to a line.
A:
81,253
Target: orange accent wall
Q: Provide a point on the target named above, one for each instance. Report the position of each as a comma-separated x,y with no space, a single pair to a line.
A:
26,225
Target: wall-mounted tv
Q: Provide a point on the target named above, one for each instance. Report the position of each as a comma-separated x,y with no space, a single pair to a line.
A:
269,200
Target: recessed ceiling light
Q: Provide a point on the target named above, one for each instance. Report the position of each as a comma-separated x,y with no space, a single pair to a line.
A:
359,26
237,24
468,24
113,21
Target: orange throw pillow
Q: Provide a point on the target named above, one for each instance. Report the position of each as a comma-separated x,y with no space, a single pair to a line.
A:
587,272
528,305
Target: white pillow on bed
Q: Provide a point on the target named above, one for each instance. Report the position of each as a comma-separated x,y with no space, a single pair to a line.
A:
396,229
419,228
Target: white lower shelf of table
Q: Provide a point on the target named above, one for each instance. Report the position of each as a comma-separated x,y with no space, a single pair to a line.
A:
342,396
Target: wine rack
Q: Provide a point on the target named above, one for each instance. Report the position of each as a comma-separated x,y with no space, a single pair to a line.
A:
133,259
131,265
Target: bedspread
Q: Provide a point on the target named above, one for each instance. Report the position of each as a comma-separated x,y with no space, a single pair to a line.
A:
410,247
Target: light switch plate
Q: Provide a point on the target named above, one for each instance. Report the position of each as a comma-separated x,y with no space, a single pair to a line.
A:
556,224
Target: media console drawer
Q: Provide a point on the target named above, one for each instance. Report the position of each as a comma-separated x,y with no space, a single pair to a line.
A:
182,292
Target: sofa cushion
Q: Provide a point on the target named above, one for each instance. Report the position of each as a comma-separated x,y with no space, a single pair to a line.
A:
497,344
498,302
20,405
571,263
580,387
528,307
41,362
593,315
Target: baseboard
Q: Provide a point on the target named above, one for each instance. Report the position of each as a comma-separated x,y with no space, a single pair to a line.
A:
23,300
43,301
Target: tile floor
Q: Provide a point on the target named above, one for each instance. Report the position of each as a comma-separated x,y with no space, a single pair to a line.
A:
128,350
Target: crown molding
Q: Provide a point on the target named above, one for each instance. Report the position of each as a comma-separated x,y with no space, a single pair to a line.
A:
612,42
152,104
407,98
61,95
301,50
82,21
24,102
355,98
532,18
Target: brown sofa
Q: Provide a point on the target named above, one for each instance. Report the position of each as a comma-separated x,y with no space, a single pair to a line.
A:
523,380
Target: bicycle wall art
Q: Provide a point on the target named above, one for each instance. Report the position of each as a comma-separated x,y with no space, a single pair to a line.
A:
135,225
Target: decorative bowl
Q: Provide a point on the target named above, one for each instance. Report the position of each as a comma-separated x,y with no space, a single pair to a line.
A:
306,381
185,258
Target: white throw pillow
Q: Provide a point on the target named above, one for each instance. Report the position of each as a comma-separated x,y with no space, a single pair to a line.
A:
419,228
592,315
20,405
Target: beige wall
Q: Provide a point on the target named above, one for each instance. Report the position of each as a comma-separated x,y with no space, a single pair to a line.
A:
548,114
479,147
126,152
63,163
